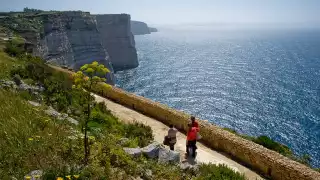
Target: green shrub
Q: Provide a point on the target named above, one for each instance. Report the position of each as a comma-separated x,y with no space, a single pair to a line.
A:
19,70
29,81
273,145
14,48
303,159
218,172
165,171
141,131
120,159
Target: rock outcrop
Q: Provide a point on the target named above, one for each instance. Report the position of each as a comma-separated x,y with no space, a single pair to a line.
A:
117,39
139,28
152,150
168,156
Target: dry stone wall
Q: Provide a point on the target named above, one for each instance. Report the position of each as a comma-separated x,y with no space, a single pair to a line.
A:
265,161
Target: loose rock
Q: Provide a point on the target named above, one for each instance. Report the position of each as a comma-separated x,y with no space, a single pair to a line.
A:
134,152
152,150
52,112
73,121
34,103
189,166
168,156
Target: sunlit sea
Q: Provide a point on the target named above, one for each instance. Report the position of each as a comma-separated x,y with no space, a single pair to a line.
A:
258,82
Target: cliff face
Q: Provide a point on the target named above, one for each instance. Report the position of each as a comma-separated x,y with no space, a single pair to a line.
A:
72,39
139,28
117,39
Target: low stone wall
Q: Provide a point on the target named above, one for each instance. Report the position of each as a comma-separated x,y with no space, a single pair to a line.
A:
268,163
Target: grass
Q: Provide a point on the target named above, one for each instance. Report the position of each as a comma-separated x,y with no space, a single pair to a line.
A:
7,64
30,140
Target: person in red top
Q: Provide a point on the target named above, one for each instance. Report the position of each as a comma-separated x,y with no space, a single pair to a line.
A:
192,140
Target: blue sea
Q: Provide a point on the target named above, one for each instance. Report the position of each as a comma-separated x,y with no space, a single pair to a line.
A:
256,81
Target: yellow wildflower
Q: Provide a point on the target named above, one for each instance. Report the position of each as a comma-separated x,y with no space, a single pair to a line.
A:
92,138
37,176
68,177
30,139
76,176
28,177
59,178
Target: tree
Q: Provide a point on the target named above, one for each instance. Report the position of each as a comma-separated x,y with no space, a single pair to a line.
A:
84,80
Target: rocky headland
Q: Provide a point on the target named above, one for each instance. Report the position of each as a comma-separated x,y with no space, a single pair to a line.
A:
141,28
74,38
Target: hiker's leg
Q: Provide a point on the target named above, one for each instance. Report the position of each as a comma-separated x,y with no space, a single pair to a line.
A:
194,149
187,147
172,146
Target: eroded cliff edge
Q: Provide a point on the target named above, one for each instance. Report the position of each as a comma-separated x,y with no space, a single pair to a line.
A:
74,38
117,38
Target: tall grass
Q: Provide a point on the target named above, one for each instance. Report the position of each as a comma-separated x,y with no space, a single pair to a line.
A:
29,139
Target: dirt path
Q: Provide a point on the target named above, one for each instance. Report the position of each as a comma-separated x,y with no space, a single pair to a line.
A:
204,154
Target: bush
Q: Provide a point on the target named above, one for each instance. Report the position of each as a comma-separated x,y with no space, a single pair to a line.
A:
303,159
141,131
218,172
19,70
165,171
270,144
14,48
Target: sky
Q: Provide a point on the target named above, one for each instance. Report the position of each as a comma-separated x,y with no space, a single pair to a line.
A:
187,11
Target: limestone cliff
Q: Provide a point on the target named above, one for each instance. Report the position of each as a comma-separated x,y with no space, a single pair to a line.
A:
72,39
139,28
117,39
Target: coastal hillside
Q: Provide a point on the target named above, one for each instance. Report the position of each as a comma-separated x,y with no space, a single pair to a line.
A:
46,129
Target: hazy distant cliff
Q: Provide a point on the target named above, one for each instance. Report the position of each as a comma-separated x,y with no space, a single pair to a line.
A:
139,28
117,38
